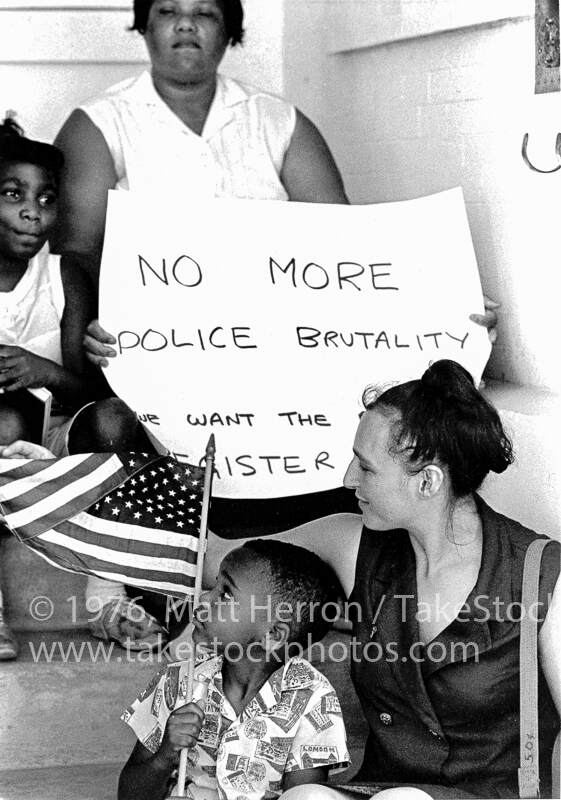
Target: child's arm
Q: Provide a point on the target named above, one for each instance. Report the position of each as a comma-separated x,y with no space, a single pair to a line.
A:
319,743
301,776
21,368
146,775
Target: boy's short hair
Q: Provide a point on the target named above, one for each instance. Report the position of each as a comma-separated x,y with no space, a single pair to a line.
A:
16,148
302,582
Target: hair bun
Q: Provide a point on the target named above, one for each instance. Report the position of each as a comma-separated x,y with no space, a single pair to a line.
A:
9,127
447,379
14,146
443,416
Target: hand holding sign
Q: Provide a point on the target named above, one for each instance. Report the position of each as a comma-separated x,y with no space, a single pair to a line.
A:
270,338
97,343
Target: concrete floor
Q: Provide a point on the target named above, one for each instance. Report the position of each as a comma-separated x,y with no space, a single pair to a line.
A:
60,732
55,712
83,782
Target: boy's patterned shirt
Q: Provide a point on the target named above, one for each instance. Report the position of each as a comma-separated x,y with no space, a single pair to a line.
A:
294,722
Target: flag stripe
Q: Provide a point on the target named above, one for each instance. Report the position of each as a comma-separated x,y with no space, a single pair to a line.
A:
56,505
139,571
183,587
68,558
115,531
29,490
47,484
65,537
12,469
43,471
11,465
118,538
182,590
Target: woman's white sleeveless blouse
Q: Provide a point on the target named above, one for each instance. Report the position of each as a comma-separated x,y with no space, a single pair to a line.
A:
240,152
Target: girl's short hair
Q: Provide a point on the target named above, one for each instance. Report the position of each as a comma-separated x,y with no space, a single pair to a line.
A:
443,418
232,10
15,147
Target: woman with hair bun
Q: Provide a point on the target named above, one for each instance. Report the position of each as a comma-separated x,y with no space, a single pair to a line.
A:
438,581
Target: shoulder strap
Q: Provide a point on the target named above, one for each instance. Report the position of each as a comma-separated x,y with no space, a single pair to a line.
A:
529,771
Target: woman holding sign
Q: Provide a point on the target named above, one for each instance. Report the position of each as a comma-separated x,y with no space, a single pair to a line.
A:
438,585
183,125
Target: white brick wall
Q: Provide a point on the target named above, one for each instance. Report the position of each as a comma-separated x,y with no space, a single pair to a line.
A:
410,116
54,55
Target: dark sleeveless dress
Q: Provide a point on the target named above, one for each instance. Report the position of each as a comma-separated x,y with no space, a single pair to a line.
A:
448,713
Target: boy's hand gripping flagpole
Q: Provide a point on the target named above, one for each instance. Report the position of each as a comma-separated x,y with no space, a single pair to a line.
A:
209,467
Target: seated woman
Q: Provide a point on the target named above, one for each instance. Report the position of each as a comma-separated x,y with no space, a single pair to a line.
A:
185,127
438,574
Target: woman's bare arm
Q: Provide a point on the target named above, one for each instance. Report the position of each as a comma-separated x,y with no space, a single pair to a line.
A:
549,647
309,173
79,308
87,176
301,777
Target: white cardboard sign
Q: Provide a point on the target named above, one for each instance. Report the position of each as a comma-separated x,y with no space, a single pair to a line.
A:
262,322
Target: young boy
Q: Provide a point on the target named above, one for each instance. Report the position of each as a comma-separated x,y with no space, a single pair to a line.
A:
266,721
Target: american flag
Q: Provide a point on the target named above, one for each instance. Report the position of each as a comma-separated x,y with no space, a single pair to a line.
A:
132,517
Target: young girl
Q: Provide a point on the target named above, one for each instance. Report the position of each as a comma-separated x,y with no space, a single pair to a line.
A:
45,304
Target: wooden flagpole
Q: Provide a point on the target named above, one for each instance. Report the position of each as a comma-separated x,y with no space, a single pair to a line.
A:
209,468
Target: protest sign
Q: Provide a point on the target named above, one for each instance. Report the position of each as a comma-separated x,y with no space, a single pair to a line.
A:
263,322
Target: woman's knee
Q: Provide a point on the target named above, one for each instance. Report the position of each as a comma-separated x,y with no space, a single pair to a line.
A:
105,425
13,425
311,791
315,791
112,418
403,793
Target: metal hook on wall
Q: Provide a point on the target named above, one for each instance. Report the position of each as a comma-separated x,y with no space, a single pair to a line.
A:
529,163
